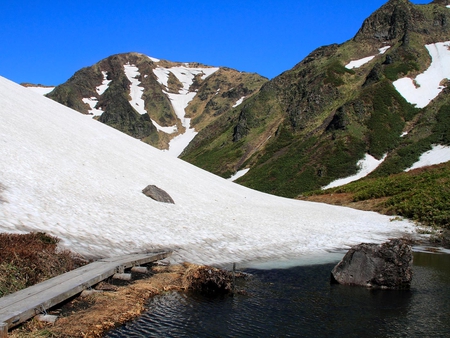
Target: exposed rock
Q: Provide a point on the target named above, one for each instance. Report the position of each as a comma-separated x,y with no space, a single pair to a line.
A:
157,194
386,266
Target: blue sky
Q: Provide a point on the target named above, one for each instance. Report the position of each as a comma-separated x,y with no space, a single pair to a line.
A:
47,41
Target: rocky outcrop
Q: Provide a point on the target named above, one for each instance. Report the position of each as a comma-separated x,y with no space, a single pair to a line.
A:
157,194
386,266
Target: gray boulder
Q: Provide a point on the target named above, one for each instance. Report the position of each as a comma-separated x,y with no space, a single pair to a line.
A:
157,194
387,266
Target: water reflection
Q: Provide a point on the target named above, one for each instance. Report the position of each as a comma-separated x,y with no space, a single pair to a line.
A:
300,302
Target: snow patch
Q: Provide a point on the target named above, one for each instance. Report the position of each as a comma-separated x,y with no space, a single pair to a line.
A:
238,174
181,100
363,61
238,102
105,84
81,180
384,49
92,102
132,72
153,59
366,166
438,154
179,104
41,90
360,62
426,86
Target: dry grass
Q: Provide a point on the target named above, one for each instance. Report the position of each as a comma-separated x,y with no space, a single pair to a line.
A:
347,200
29,259
98,313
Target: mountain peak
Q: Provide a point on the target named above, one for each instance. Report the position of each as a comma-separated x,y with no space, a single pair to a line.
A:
390,22
397,19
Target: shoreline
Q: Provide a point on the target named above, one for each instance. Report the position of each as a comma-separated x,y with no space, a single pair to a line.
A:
110,307
96,314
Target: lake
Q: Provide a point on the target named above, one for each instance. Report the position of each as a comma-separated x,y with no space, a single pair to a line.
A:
300,302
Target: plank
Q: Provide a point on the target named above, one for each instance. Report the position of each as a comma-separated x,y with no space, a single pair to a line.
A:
22,305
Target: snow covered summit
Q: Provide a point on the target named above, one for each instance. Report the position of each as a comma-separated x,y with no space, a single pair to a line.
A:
81,180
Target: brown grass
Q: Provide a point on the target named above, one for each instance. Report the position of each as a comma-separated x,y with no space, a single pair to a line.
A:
346,200
29,259
98,313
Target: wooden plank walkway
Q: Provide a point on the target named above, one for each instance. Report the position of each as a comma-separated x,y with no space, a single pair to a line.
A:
22,305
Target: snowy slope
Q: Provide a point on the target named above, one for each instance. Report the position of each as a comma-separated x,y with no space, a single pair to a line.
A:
81,180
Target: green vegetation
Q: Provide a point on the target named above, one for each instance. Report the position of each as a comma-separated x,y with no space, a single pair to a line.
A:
390,111
410,151
334,72
29,259
286,168
422,195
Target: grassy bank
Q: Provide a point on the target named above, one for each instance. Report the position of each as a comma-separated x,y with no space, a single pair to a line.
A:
422,195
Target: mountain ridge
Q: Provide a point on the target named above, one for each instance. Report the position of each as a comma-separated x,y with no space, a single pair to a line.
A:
305,128
332,115
156,121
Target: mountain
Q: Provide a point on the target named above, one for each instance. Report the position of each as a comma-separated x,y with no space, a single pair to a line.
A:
380,96
80,180
155,100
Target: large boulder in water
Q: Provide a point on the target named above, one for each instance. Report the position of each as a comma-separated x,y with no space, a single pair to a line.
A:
386,266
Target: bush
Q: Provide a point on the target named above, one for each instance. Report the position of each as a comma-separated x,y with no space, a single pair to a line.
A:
421,195
29,259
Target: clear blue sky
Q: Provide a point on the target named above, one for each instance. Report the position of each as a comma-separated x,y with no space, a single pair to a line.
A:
47,41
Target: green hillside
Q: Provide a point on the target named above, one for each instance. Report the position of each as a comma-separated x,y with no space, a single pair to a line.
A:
311,124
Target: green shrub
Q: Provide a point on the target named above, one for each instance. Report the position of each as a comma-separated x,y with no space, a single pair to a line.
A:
421,195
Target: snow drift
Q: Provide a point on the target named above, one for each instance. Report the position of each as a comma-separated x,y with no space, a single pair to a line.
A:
81,180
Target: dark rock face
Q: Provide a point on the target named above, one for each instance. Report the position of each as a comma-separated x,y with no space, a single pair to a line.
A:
157,194
386,266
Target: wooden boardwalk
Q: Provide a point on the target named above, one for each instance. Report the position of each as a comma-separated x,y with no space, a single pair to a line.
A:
25,304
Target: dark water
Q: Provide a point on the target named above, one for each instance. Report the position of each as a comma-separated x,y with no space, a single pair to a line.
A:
300,302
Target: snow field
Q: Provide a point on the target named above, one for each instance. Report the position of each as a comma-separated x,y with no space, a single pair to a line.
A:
81,180
427,86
